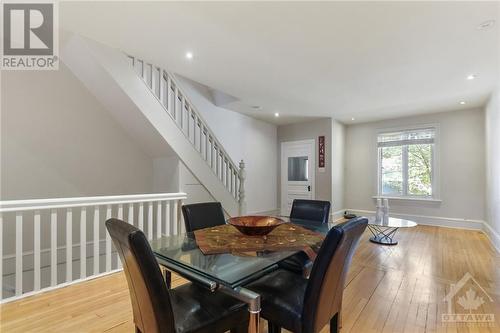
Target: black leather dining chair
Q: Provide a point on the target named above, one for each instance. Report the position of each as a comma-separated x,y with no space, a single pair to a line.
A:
203,215
311,210
156,309
307,305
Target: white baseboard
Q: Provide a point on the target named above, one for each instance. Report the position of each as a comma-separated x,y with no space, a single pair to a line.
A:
335,216
448,222
437,221
493,236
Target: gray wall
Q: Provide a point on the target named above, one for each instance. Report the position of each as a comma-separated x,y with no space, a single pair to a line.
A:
310,130
338,166
59,141
493,163
461,162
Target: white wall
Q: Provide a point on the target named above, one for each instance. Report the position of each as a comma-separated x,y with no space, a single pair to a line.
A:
338,166
311,130
492,121
166,174
462,163
195,191
245,138
59,141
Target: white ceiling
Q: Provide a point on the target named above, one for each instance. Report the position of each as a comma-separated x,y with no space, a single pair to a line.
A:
367,60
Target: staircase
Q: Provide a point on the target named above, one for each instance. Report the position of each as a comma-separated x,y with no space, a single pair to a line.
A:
164,86
140,95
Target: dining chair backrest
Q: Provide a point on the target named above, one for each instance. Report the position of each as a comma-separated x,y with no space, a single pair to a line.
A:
151,306
203,215
313,210
323,297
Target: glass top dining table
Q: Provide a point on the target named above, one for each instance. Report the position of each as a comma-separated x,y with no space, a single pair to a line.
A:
227,272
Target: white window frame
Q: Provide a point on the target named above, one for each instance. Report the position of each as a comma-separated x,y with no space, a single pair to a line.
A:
435,177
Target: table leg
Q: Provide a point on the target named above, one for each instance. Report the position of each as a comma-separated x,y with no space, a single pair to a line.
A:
254,323
253,301
383,236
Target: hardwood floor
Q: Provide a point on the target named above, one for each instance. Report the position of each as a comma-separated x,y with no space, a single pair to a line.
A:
389,289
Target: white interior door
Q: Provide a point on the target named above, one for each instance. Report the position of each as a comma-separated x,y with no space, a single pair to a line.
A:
297,172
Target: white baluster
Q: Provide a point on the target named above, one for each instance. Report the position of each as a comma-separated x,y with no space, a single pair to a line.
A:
120,217
69,245
19,253
207,144
131,214
161,86
231,179
36,251
168,225
241,192
217,162
158,219
96,240
137,67
212,154
150,220
141,216
108,241
226,174
175,224
149,76
200,132
181,228
53,247
120,212
169,97
183,113
175,104
83,243
155,81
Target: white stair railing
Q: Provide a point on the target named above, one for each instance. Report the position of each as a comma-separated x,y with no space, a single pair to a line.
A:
49,243
165,87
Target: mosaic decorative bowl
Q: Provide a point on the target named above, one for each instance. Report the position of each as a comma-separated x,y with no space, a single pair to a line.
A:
255,225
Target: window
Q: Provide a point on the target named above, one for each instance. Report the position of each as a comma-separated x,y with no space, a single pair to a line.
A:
406,163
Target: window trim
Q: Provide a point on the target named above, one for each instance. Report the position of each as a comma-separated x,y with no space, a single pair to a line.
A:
436,192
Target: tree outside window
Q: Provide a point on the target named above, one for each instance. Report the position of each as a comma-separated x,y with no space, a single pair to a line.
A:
406,163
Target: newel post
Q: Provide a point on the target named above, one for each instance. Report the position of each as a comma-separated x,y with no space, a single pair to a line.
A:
241,189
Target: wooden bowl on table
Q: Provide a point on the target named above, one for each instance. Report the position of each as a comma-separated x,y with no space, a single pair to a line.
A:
255,225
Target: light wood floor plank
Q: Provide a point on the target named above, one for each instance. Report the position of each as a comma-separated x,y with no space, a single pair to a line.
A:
388,289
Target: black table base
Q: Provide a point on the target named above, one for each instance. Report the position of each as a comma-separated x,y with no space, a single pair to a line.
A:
383,235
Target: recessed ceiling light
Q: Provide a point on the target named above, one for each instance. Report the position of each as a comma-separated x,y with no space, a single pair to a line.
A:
462,102
276,114
486,25
189,55
353,119
471,77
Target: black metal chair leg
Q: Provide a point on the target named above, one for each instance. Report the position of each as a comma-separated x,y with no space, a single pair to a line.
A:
273,328
168,279
167,276
335,324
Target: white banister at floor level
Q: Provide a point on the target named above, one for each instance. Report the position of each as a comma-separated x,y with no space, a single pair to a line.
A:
52,258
